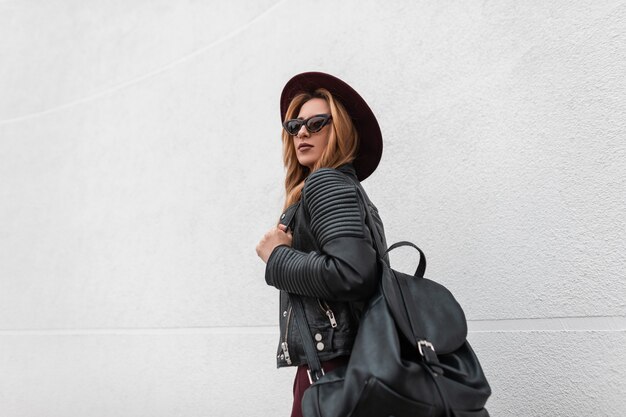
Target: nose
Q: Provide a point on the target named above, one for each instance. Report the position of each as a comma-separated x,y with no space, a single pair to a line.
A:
302,130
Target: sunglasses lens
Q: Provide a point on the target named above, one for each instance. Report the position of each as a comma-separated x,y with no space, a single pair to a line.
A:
316,123
293,126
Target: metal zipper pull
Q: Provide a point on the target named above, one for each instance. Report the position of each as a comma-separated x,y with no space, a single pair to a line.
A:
285,349
331,317
326,309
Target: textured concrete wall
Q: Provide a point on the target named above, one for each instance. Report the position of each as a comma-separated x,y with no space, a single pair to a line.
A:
140,165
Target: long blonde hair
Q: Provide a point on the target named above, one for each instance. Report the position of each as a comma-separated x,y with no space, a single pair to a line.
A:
341,148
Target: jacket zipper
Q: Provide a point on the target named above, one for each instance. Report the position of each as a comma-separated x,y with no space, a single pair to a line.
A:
284,346
329,313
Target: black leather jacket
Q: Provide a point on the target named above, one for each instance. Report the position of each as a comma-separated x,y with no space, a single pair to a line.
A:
332,263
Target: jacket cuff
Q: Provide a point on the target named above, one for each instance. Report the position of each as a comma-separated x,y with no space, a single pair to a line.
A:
293,271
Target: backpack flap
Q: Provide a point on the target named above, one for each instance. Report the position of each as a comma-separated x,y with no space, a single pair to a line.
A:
424,311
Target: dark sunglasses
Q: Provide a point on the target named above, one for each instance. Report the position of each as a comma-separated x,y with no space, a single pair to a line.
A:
313,124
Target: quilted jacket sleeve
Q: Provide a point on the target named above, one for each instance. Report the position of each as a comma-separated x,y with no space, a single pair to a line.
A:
346,267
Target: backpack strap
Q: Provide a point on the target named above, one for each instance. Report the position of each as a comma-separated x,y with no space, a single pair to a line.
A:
315,370
369,220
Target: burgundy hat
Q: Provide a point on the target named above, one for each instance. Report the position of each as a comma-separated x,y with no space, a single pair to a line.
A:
370,147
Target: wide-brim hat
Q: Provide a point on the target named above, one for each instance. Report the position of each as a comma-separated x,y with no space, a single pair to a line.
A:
370,147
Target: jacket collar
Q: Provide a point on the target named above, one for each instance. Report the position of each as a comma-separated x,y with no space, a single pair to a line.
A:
348,169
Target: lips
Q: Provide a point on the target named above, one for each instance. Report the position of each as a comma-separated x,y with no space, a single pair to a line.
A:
304,146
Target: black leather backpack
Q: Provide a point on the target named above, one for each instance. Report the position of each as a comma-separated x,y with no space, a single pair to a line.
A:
410,356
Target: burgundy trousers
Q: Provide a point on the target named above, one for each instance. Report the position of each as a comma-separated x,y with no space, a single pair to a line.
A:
301,382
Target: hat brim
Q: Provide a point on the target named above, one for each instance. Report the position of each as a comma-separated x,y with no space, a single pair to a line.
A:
370,137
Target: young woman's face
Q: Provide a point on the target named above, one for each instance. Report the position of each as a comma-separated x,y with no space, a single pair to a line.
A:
309,155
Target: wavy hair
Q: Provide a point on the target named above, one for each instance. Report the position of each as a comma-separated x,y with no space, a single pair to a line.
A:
341,148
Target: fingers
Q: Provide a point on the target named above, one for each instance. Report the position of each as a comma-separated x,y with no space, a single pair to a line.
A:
280,234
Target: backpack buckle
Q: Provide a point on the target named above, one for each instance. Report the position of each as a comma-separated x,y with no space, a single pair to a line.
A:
424,343
314,377
430,357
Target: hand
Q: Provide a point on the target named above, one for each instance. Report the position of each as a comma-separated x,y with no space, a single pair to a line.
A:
274,237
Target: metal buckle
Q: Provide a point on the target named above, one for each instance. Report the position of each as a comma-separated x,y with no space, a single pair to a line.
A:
424,343
308,371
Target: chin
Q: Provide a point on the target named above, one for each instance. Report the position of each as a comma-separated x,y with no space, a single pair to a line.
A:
305,163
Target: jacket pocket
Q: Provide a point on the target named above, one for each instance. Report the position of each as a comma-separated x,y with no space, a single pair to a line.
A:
328,312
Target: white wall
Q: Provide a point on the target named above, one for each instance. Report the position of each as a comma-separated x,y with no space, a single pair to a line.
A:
140,165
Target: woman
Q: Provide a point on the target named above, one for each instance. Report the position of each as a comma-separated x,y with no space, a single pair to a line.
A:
331,142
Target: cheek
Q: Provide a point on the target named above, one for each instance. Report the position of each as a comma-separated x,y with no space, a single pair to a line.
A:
325,142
